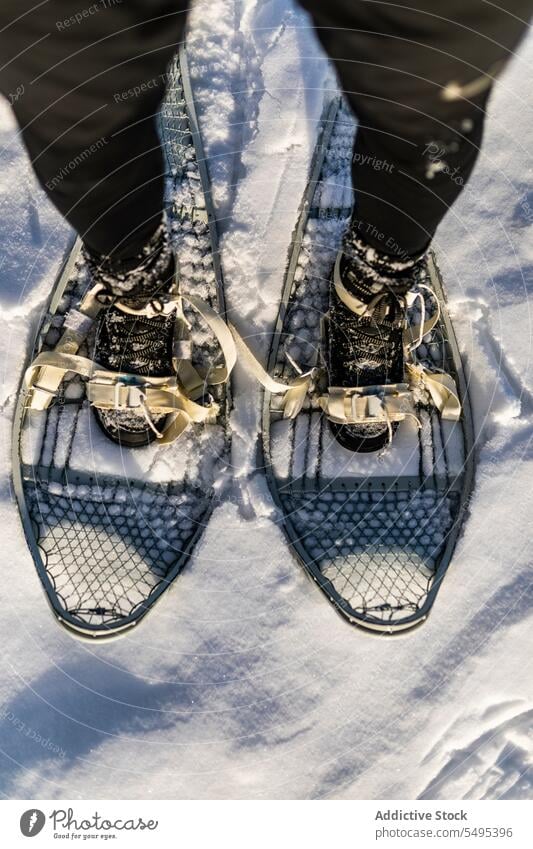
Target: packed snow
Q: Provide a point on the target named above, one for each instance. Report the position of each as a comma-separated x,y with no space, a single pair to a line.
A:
244,683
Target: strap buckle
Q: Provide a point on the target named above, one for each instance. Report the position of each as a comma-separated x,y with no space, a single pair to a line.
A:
366,406
135,400
135,395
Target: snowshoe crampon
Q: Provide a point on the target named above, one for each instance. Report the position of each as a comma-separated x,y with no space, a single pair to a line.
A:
110,528
376,532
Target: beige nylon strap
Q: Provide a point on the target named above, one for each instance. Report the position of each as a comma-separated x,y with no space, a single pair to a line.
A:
44,375
414,333
441,388
178,424
48,380
119,391
90,305
224,336
417,331
191,377
176,396
109,389
112,390
294,392
411,334
45,378
368,405
354,304
393,402
164,397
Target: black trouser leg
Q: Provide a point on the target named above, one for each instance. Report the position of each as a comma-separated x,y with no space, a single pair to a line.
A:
85,85
418,80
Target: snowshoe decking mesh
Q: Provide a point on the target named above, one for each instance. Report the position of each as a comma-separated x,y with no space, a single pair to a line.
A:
375,532
110,529
106,548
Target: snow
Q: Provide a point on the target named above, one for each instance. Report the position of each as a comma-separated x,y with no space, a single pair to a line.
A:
243,683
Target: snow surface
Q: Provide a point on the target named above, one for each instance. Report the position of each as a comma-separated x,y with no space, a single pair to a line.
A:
243,683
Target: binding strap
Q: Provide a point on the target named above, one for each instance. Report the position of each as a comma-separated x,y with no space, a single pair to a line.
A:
177,395
294,392
441,388
413,334
392,402
110,390
174,395
368,404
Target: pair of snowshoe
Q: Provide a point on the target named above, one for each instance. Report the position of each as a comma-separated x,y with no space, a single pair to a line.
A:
147,355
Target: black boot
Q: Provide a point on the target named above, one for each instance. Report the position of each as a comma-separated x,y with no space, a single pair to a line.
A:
365,347
136,344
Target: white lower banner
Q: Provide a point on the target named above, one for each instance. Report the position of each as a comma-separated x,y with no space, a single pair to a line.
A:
268,824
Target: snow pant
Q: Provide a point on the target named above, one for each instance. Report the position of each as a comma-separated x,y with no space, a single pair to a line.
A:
418,77
86,83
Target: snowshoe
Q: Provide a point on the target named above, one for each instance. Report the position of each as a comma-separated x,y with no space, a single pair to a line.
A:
109,528
376,532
